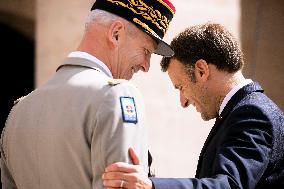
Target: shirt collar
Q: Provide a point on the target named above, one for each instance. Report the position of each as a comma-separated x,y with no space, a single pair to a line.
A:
232,92
80,54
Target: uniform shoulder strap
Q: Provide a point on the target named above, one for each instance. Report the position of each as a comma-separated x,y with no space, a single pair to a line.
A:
19,99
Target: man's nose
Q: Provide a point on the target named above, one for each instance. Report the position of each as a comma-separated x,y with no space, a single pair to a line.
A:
183,101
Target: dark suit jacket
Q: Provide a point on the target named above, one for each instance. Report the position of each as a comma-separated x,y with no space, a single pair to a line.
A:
245,148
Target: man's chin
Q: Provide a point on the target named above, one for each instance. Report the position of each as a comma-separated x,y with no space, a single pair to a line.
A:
206,117
129,77
126,76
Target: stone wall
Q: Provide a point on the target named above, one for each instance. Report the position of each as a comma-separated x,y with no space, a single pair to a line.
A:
262,30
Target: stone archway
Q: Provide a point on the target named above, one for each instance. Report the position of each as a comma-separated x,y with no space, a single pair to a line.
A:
17,60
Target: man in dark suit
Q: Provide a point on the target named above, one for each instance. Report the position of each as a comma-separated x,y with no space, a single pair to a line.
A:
245,148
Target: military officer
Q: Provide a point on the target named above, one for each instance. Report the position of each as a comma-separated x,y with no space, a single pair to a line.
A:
64,133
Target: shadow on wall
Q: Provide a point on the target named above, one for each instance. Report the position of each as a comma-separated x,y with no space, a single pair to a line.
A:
17,67
262,30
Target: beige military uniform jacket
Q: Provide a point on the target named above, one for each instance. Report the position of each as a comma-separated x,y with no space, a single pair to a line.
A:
64,134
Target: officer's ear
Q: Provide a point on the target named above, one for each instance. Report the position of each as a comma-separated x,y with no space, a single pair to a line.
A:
116,33
202,71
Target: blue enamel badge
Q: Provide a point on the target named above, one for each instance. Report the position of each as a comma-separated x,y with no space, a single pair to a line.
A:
128,109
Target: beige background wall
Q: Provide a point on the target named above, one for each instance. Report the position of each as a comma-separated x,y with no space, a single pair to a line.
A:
17,20
19,14
176,134
262,33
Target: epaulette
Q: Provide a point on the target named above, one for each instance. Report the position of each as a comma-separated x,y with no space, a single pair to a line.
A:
113,82
19,99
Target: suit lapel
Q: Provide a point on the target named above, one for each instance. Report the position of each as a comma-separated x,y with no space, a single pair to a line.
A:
209,137
236,98
252,87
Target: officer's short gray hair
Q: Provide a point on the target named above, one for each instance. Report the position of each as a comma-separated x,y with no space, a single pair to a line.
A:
105,18
100,17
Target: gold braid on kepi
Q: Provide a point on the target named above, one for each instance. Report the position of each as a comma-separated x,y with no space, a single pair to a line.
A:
151,16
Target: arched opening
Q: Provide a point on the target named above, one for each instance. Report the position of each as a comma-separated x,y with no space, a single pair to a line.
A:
17,67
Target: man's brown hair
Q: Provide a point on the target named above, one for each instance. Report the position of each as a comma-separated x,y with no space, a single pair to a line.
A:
210,42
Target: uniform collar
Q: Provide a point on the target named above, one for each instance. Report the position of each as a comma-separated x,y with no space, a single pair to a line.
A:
100,65
232,92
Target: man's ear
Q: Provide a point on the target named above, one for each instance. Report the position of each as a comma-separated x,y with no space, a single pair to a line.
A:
116,31
202,71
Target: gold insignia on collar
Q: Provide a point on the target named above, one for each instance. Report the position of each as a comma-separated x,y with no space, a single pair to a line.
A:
114,82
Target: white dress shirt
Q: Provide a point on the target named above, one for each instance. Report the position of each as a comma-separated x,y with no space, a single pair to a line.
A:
80,54
232,92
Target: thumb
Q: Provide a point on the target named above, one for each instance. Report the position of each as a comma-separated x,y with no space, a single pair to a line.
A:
134,157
